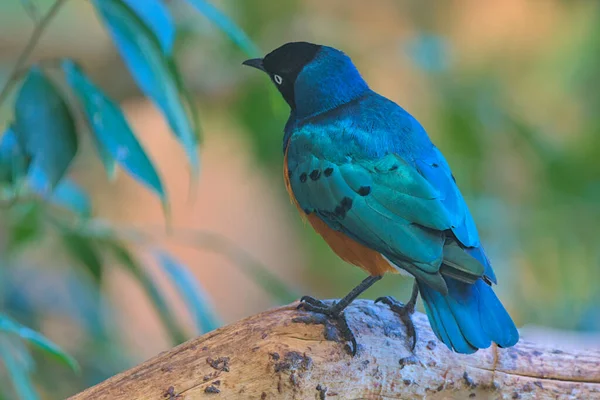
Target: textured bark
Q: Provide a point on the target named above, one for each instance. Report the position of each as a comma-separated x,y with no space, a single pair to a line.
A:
277,355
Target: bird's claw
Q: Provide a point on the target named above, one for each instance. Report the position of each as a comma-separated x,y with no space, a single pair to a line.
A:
389,301
313,305
405,312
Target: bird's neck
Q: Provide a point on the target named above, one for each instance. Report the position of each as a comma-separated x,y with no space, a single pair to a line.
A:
321,88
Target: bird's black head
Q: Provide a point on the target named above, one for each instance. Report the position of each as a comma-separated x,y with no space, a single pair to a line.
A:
284,64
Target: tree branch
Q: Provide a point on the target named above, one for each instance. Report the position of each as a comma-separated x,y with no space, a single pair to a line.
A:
29,47
278,355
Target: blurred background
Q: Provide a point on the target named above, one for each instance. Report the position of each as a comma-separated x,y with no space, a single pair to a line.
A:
509,91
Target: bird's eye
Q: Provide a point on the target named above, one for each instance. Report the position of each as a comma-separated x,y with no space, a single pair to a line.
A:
278,80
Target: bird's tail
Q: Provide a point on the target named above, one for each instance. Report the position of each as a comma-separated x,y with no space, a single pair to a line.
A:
470,317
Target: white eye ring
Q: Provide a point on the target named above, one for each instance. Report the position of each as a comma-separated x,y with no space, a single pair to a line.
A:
278,80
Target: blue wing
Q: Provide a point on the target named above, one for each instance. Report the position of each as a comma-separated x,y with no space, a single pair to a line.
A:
393,192
434,167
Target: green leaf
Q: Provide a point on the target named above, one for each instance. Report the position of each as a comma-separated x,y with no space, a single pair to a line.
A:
25,221
14,162
17,370
157,18
109,163
237,35
125,257
8,325
85,251
112,130
70,196
46,129
155,72
192,293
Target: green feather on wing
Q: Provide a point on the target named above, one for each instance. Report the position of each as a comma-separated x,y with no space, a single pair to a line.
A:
387,205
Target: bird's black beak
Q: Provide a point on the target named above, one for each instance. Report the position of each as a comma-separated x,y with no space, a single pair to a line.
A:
255,63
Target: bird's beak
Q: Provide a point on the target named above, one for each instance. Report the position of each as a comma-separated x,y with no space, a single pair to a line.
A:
255,63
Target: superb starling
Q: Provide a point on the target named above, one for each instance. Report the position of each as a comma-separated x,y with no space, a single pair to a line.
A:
365,174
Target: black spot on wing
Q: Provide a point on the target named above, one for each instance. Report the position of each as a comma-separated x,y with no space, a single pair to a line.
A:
346,203
345,206
364,190
394,167
315,174
328,171
303,177
340,210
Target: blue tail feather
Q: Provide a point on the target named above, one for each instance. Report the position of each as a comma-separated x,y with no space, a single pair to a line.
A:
469,318
434,319
442,321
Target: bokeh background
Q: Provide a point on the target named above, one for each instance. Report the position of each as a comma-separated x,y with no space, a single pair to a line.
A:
508,90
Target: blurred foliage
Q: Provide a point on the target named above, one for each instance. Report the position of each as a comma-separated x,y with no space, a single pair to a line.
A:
519,128
38,201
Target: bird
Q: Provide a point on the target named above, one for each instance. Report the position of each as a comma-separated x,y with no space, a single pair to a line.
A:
366,176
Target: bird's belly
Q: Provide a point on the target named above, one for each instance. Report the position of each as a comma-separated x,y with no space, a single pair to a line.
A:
350,250
345,247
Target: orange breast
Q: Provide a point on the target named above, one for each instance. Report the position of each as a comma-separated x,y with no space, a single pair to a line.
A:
346,248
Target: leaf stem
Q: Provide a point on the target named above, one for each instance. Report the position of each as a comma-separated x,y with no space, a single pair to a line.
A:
199,239
29,47
31,10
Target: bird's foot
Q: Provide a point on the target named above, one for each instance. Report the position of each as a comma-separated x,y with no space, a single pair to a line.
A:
330,313
405,312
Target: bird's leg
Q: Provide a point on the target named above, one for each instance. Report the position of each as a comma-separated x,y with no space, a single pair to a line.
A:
405,312
335,311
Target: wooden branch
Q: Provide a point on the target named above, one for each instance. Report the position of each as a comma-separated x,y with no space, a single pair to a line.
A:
268,356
